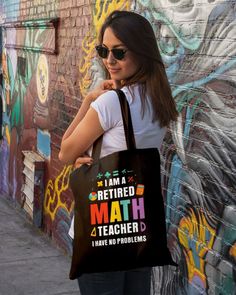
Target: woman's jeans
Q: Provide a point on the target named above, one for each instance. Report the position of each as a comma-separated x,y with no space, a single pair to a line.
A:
132,282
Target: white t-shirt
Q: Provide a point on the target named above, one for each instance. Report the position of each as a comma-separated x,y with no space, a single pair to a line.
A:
147,134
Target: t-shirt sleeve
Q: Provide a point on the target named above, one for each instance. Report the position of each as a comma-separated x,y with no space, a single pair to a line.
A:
108,108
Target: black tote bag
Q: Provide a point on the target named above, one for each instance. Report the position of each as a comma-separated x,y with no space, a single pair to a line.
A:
119,213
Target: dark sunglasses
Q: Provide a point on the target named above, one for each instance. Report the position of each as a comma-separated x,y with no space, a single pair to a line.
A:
103,52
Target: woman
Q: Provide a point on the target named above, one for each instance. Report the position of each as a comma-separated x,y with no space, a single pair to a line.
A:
130,55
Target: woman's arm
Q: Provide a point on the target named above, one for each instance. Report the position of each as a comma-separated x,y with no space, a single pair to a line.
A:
85,127
81,138
80,115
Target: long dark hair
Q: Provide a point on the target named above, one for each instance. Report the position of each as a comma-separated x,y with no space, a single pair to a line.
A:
136,33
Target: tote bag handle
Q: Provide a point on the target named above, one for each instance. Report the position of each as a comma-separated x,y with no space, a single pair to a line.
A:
128,127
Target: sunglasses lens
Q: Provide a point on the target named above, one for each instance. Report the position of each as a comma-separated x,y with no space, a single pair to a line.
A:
102,51
118,53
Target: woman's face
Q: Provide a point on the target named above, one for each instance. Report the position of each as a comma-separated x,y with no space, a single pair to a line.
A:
118,69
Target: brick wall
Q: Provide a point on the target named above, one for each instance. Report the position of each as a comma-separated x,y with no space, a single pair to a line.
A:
43,84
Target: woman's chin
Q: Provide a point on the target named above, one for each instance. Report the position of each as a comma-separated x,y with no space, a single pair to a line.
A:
115,76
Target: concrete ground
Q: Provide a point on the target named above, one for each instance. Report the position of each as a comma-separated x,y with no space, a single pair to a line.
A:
29,262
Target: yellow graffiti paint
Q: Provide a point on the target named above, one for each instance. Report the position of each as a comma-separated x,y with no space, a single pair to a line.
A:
7,134
197,237
53,195
101,11
6,78
232,251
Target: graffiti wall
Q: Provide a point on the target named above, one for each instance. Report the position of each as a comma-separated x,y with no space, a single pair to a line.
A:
198,155
49,64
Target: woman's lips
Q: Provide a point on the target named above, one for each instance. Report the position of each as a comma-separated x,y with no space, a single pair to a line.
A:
113,71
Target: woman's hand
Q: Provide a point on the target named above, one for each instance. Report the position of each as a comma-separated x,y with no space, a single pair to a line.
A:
111,84
102,88
83,160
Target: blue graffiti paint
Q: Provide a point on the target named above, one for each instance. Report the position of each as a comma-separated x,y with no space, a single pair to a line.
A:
188,121
170,59
174,187
13,8
44,143
62,225
4,170
190,42
207,79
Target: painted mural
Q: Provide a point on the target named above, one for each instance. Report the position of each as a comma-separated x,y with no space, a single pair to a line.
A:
19,95
42,91
58,210
200,183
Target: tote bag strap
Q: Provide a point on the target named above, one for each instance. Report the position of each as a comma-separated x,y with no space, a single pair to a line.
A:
97,146
127,120
128,127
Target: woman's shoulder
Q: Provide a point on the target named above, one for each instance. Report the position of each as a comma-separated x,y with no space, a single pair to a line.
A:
108,97
108,108
107,101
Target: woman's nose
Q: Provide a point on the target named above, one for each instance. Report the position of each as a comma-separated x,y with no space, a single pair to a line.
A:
110,58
